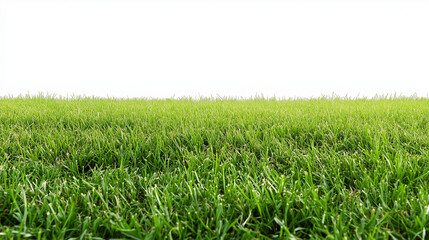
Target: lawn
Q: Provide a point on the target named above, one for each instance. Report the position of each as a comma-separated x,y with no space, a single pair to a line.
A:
90,168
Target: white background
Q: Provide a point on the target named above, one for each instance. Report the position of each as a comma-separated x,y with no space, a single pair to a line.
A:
161,48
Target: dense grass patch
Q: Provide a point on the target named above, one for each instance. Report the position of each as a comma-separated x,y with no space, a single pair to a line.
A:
175,169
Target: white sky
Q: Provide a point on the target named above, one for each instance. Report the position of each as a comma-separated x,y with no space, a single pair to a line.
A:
214,47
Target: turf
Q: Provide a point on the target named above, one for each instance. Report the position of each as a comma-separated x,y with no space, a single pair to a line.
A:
88,168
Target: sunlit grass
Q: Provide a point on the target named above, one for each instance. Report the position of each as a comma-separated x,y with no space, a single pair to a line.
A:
89,168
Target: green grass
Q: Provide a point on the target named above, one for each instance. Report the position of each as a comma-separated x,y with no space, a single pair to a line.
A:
214,169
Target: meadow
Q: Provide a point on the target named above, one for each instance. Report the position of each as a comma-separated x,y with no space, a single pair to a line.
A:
328,168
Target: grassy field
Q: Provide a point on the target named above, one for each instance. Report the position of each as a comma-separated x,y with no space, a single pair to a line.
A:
214,169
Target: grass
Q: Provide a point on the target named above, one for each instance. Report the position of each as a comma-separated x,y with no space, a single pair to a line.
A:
87,168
